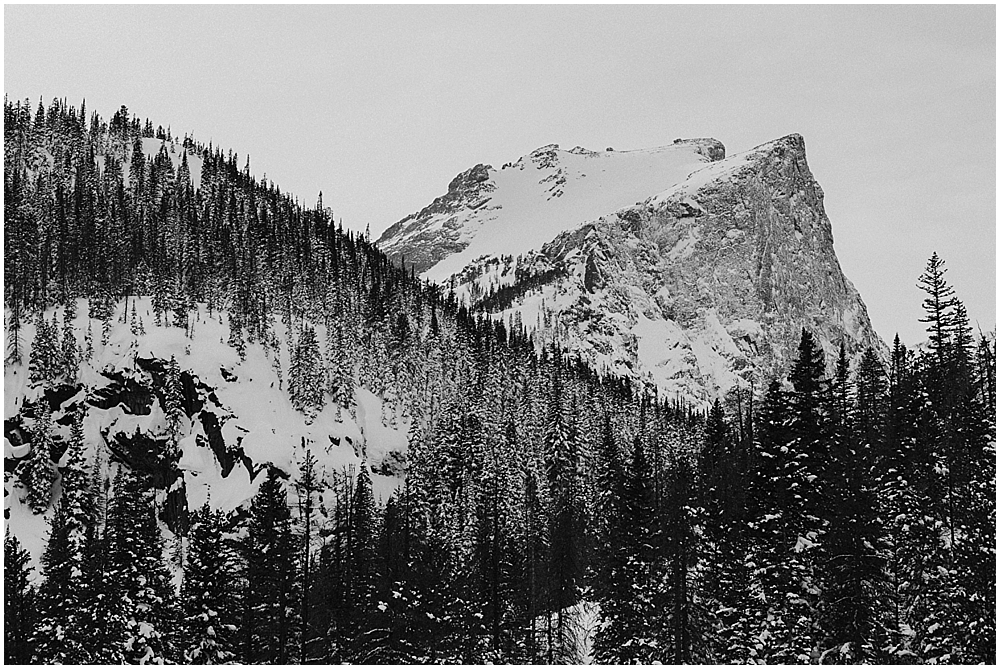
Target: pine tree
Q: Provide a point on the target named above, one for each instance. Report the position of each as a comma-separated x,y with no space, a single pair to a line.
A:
37,472
628,633
14,345
305,375
775,567
107,612
726,577
43,363
59,637
306,487
610,582
562,461
340,360
366,635
208,591
173,405
63,630
19,613
938,305
135,565
852,567
269,619
70,351
679,538
88,343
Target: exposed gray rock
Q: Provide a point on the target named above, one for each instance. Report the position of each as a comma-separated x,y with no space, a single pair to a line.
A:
751,248
702,287
426,244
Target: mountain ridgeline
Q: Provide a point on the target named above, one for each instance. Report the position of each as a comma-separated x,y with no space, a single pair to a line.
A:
235,431
703,286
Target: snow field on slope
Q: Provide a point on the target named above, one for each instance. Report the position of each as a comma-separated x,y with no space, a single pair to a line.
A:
531,215
263,419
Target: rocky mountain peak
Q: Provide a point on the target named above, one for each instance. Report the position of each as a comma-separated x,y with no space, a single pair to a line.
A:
709,147
470,179
701,284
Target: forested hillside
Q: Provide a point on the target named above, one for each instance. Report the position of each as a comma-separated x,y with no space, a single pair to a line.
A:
542,512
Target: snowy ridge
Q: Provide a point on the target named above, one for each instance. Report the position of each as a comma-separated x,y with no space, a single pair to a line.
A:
527,203
702,286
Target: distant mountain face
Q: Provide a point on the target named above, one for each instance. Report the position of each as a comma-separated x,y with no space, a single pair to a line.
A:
527,203
678,266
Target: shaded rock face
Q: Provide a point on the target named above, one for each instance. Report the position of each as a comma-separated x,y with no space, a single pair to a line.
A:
133,393
529,201
728,269
427,244
704,286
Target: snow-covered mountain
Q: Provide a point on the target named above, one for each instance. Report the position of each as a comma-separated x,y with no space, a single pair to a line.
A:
677,265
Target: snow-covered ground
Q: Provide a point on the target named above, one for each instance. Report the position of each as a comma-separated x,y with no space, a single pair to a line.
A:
552,190
254,410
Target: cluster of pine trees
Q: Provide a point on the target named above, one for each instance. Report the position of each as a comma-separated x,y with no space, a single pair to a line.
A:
848,518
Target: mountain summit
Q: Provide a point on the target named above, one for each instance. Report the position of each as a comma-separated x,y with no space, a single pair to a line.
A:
528,202
677,266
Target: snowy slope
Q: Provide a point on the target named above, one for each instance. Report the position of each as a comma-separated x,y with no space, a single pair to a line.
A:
256,419
702,281
527,203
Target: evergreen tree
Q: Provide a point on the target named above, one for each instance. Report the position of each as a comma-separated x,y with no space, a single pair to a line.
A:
19,612
726,577
173,406
136,568
60,636
63,632
269,620
628,607
305,375
366,631
37,472
70,351
852,570
208,591
566,533
306,487
43,363
938,305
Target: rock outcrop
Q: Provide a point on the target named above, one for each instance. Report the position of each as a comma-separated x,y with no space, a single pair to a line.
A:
703,286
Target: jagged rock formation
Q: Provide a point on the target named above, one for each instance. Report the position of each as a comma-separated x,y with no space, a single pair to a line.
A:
527,203
703,286
429,244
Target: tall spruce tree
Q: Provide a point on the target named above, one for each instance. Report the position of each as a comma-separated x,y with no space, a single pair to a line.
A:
306,385
19,612
270,614
37,473
136,567
208,591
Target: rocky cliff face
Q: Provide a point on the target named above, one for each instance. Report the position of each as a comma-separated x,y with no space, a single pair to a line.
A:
703,286
422,244
528,202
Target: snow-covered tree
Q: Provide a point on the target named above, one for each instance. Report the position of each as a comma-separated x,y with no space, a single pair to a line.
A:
136,567
44,362
70,350
173,402
306,385
37,473
208,591
270,611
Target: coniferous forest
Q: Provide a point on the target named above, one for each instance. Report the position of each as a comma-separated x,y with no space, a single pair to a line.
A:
842,514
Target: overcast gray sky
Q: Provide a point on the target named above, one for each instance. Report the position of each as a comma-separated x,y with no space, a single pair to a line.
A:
380,106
